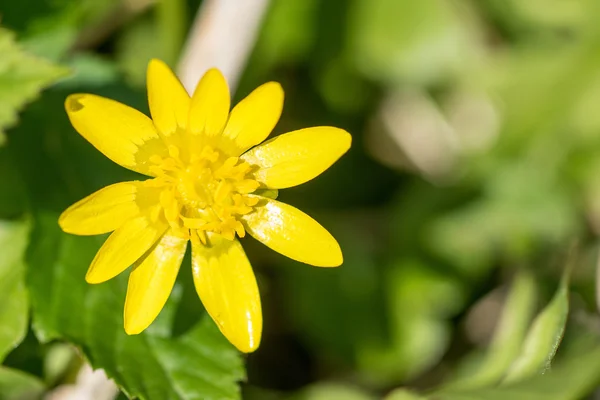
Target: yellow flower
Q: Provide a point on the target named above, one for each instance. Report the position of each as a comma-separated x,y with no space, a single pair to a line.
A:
210,182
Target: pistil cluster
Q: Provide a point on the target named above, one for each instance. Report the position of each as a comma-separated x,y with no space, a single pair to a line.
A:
207,193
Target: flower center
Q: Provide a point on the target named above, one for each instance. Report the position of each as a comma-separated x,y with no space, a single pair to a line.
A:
208,193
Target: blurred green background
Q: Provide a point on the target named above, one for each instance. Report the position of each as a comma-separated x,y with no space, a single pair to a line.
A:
467,208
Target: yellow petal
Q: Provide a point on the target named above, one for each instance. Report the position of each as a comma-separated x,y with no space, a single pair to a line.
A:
121,133
253,119
124,247
169,102
226,285
103,211
210,104
297,157
151,281
292,233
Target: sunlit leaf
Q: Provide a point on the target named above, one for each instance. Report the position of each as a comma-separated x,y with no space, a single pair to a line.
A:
575,377
508,337
14,305
543,338
22,76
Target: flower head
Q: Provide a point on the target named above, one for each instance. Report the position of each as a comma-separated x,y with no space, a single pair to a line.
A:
210,181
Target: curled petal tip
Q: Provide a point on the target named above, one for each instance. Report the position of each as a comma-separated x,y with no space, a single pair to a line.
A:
73,102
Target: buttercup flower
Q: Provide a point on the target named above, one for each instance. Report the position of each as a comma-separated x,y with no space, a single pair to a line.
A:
210,181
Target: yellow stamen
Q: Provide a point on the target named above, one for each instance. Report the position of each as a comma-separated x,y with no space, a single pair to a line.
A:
206,194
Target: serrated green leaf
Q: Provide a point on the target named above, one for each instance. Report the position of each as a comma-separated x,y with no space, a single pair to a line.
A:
18,385
543,338
22,77
199,364
508,337
14,304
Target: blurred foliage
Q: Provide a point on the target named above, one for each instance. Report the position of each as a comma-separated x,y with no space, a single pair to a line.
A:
17,385
21,78
474,167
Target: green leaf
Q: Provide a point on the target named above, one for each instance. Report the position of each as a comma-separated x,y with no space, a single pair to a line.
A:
198,364
14,305
18,385
544,337
90,69
22,77
508,337
575,377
